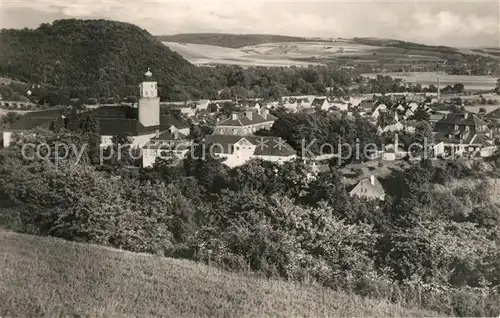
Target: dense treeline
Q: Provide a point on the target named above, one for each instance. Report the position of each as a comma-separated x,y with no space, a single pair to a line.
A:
427,244
93,58
103,61
107,59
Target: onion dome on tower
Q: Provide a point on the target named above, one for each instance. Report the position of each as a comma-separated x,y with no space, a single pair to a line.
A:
148,76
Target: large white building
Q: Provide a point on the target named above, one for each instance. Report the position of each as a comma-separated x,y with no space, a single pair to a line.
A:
234,141
237,150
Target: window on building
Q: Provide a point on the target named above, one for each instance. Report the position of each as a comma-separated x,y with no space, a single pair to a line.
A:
145,93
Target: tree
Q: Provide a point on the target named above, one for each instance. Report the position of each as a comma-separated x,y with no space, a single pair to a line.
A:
24,99
121,152
91,101
421,114
424,137
458,88
15,97
10,118
131,99
227,108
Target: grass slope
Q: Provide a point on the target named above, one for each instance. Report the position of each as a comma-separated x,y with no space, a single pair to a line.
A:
46,277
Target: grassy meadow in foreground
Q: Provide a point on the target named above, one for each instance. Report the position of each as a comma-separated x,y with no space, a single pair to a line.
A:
46,277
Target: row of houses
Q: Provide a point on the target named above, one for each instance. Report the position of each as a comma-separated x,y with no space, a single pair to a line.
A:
234,138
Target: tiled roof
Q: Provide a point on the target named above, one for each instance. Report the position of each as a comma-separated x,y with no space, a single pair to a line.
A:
375,189
116,112
366,105
484,140
495,114
243,120
112,120
436,117
271,146
36,119
265,146
251,103
318,101
461,119
167,121
167,136
464,137
117,126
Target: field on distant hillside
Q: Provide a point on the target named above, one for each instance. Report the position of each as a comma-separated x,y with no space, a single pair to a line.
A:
472,83
493,52
45,277
228,40
200,54
302,53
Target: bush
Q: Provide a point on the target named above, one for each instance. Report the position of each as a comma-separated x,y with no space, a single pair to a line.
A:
276,237
427,244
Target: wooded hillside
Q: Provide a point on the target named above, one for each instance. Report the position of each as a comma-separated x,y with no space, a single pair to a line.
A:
93,58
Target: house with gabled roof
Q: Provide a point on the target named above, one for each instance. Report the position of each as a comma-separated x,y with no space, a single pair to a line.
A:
460,133
245,123
413,106
366,106
339,103
296,104
202,104
321,103
251,105
237,150
32,120
377,109
463,121
435,117
370,188
170,144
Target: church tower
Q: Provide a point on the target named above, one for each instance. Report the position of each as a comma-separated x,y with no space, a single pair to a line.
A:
149,102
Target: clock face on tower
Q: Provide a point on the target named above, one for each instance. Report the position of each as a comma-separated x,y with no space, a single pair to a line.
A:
149,89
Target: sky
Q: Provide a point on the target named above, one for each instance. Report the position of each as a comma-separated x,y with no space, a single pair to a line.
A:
446,22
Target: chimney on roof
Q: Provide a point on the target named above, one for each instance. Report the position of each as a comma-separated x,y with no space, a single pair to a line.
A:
176,134
249,115
157,133
264,113
466,115
438,90
372,179
234,116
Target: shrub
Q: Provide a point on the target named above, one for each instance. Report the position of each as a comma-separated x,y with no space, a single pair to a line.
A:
281,239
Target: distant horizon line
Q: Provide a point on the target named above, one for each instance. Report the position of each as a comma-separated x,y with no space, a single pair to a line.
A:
325,38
